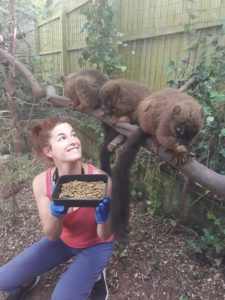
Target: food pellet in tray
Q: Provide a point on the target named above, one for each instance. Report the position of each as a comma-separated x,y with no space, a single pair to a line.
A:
83,190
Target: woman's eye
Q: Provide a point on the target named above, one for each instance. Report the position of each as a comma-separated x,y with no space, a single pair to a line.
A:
62,138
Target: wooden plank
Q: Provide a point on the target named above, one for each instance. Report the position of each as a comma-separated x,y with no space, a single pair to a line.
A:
142,67
148,60
64,57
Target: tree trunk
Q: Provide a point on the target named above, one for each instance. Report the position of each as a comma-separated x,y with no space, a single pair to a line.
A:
10,87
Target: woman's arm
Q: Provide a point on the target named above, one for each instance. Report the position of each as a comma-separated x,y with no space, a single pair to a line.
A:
52,226
104,230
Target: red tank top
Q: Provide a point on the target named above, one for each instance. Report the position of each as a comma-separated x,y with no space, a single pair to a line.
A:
79,226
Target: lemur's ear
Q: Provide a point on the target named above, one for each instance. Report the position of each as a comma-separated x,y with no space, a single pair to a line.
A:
117,89
176,110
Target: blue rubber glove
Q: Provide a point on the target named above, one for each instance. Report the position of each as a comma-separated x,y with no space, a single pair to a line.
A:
102,211
58,211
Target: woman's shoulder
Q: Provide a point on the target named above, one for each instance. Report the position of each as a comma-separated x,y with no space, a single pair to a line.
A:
40,178
93,170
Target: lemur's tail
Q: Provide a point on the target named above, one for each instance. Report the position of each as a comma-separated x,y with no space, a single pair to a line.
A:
120,184
105,154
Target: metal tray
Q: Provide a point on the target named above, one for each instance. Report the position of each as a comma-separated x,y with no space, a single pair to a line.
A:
68,202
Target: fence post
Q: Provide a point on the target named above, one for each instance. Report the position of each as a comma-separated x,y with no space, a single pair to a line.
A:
64,52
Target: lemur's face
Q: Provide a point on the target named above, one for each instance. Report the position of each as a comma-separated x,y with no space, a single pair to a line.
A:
185,132
109,105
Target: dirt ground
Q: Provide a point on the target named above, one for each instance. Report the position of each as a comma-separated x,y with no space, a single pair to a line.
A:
154,264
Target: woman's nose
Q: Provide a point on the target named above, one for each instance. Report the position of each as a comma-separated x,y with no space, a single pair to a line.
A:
73,139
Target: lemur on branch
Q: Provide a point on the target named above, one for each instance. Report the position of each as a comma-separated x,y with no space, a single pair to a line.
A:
172,118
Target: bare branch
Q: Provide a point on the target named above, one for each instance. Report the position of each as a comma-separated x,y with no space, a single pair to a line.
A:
36,89
116,142
184,87
56,100
196,172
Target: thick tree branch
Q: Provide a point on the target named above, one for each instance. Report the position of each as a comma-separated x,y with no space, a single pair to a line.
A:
56,100
36,89
195,171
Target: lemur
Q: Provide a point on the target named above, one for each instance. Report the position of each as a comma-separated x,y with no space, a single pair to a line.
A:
173,119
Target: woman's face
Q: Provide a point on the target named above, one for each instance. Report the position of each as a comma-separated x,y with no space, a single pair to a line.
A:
64,145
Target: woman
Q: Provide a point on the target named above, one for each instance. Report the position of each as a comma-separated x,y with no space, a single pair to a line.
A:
82,234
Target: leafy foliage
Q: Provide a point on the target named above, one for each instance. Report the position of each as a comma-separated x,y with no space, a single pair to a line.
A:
205,61
86,122
18,169
15,167
146,182
102,38
212,238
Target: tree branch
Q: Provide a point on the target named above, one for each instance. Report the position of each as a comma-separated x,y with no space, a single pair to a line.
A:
195,171
184,87
36,89
56,100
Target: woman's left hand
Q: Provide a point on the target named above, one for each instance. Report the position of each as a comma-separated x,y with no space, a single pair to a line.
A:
102,211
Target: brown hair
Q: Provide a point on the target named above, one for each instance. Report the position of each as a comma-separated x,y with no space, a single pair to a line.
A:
40,133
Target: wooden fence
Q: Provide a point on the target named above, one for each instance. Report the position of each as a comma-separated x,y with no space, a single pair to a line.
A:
154,32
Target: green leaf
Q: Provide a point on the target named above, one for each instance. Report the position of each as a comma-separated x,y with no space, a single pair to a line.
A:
217,96
183,297
222,132
123,68
140,194
193,17
219,247
173,223
222,152
223,27
133,193
171,67
209,120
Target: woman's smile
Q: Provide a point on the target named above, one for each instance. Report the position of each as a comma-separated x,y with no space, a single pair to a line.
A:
73,149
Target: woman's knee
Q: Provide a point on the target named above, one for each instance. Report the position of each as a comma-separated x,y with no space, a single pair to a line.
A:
6,278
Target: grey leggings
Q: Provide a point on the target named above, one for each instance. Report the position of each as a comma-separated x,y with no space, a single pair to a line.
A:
74,284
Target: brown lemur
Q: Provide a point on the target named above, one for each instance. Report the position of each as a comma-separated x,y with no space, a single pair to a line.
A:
172,118
83,89
120,98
